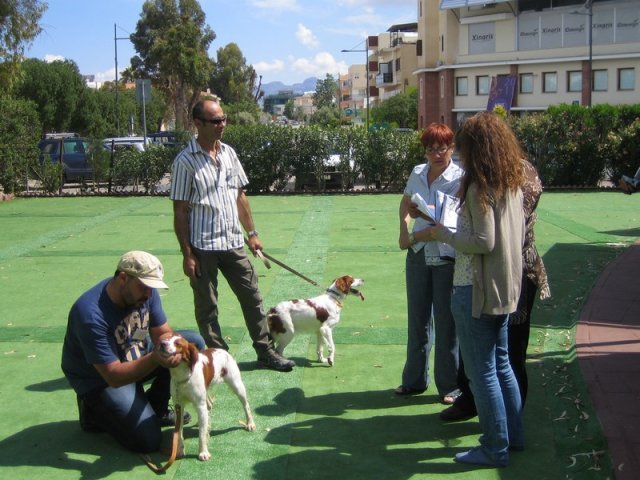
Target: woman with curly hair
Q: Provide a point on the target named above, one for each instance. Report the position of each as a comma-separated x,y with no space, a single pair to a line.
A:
487,278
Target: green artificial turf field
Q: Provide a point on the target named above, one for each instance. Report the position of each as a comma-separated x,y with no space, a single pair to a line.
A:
316,422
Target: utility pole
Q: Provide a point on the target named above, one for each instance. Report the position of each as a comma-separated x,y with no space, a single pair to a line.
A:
366,50
115,43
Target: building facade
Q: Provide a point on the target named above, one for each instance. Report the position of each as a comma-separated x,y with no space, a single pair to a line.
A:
304,102
392,61
353,94
525,55
274,104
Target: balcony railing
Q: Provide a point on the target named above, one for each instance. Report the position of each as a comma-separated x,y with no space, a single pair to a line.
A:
384,78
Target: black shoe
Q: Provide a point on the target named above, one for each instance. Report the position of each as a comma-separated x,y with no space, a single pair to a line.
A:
273,360
87,423
404,391
456,414
169,418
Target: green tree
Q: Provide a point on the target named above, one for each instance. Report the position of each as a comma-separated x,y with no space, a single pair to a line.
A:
401,110
232,79
19,25
19,135
328,116
289,109
57,88
327,91
172,40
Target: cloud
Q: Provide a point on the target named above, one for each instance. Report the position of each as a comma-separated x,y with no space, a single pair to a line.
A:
107,76
379,3
306,37
53,58
264,67
276,4
319,65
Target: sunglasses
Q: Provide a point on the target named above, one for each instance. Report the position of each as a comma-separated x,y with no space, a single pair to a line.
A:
215,121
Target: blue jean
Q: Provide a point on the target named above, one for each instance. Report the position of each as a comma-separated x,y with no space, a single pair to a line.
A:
484,347
128,413
429,311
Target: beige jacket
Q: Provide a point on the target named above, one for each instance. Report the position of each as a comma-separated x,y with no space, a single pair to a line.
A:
496,244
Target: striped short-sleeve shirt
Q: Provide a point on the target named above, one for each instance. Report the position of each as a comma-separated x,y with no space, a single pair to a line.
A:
211,186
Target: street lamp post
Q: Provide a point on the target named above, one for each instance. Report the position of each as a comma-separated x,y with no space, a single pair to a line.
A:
115,43
588,6
366,50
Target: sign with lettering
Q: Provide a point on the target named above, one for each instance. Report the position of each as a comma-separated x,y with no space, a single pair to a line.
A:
602,27
571,29
551,31
528,32
627,24
482,38
575,31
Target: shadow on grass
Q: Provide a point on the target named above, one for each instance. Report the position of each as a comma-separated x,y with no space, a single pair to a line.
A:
49,386
64,447
629,232
380,446
572,270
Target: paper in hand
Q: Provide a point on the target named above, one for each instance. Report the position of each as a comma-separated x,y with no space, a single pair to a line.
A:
428,210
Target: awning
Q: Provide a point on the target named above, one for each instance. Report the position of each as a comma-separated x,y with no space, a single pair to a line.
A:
448,4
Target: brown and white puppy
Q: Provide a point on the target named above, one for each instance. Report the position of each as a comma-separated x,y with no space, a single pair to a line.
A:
317,315
192,377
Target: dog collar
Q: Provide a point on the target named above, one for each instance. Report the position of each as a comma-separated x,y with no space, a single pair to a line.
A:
336,296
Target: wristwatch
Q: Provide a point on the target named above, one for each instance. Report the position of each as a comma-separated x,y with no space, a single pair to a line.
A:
252,233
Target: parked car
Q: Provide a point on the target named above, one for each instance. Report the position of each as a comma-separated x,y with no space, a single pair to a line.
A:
166,139
332,175
126,143
71,151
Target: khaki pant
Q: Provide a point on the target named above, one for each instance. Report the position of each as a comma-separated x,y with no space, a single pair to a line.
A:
243,280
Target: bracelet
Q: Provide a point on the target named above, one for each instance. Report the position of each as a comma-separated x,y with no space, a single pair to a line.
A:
252,233
412,239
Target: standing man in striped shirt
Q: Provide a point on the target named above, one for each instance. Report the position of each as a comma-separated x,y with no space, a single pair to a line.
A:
210,210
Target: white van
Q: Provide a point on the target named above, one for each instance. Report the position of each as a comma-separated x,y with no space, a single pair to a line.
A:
126,143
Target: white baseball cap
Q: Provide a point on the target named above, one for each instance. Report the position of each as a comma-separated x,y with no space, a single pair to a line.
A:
144,266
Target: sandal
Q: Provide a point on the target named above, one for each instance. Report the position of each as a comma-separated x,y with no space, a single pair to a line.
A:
451,397
403,391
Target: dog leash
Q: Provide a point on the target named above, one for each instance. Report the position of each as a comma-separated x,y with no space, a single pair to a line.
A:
159,470
265,257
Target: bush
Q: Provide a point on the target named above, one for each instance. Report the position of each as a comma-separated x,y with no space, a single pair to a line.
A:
571,145
265,154
141,170
19,133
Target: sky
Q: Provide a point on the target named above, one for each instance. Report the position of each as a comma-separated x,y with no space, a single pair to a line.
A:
284,40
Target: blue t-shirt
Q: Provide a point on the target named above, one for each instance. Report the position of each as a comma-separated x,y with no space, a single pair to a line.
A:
100,332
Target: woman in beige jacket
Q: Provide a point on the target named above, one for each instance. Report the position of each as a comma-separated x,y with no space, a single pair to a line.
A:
486,283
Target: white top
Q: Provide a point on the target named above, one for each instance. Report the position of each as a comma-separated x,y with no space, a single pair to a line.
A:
211,186
448,182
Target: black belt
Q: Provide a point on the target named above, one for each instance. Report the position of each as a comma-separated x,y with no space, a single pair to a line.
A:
448,259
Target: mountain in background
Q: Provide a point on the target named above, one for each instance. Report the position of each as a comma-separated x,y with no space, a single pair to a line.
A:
308,85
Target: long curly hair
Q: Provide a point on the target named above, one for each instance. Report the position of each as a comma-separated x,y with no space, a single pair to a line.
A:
492,158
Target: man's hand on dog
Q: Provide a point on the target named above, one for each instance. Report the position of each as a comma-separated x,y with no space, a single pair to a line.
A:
165,360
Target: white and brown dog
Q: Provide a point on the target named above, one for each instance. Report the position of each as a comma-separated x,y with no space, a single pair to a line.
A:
317,315
191,379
